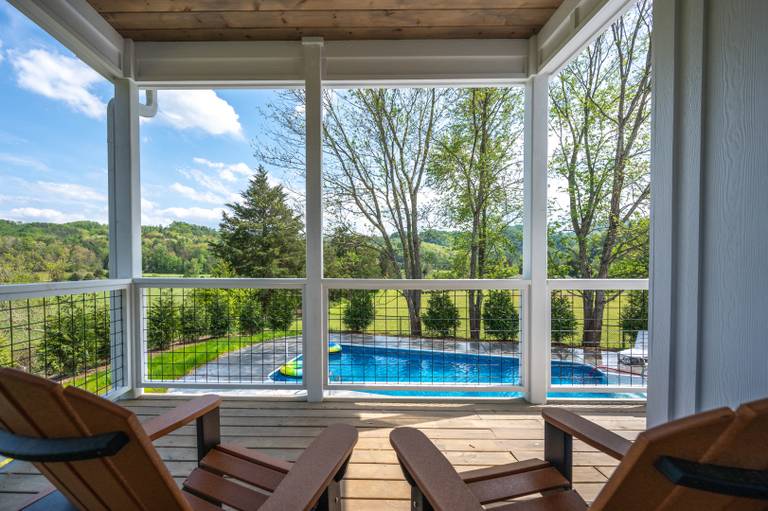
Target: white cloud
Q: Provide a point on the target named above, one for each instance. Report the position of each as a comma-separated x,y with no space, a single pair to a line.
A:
71,191
23,161
195,195
227,171
2,55
152,215
59,77
211,184
198,109
42,215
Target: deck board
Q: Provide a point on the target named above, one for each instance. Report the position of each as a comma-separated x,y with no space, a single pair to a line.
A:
471,436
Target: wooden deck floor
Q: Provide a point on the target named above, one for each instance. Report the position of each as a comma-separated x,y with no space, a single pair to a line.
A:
471,435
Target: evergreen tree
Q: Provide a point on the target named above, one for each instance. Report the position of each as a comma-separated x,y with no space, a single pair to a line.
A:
162,322
251,315
442,316
282,309
359,313
218,312
500,316
634,317
563,322
261,236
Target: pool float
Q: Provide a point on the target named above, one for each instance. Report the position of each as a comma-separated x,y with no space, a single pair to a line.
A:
334,347
294,369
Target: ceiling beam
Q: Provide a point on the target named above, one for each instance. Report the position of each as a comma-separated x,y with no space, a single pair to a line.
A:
76,25
572,27
347,63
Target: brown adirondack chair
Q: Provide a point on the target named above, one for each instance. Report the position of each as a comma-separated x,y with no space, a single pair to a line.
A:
711,461
99,457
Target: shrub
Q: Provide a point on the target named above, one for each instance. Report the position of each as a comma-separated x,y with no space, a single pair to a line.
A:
500,316
563,322
282,309
634,317
442,316
73,342
218,314
359,313
193,320
162,323
251,316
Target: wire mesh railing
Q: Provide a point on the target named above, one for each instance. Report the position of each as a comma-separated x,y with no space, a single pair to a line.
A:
599,338
70,335
197,336
425,337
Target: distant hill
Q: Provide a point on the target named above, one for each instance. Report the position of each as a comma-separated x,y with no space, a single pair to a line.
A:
40,251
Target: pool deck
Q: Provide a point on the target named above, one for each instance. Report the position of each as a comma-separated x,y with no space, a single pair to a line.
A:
472,435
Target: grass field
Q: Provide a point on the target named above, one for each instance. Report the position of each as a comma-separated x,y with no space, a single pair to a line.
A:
392,316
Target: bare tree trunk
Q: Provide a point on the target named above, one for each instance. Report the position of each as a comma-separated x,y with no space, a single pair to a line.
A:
413,299
593,306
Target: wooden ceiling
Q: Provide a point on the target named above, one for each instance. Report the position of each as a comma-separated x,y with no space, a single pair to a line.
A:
245,20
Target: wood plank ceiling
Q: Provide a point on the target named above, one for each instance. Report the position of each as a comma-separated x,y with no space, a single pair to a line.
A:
243,20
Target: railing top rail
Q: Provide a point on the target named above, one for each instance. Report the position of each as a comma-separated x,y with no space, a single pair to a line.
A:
598,284
426,284
215,283
42,289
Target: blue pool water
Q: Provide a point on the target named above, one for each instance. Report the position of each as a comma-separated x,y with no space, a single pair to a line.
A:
365,364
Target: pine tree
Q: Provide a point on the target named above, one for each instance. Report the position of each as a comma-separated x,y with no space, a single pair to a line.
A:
500,316
261,236
359,313
442,316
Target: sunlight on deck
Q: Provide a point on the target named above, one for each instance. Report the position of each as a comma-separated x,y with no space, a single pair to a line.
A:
472,435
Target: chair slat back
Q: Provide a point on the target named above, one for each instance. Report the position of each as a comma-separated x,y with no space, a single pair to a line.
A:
637,485
134,478
744,444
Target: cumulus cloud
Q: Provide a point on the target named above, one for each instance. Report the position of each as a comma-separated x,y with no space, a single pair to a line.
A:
59,77
195,195
71,191
42,215
198,109
151,214
227,171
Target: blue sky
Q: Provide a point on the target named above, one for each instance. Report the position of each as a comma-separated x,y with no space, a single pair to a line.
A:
195,155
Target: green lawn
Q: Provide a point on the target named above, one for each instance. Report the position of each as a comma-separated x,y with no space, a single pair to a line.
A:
392,317
183,359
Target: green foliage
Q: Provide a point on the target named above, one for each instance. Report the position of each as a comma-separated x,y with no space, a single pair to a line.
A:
261,236
359,313
162,322
193,319
6,358
563,321
251,314
442,316
634,316
281,310
218,314
74,341
500,316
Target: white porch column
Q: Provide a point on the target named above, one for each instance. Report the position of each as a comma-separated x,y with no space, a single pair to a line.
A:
314,299
125,218
709,240
535,237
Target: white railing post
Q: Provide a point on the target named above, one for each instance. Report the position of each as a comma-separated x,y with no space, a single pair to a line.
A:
313,298
535,238
125,218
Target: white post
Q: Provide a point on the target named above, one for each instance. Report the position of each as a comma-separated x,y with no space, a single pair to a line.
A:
535,238
313,298
125,219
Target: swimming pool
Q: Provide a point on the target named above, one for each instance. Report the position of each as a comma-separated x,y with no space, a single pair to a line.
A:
358,364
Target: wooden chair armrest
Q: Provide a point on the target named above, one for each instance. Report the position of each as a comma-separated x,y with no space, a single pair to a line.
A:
322,463
181,416
430,474
587,431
